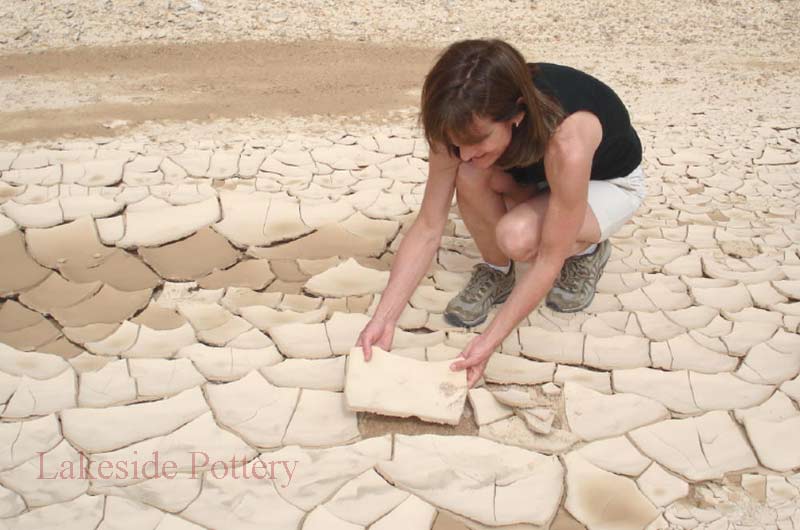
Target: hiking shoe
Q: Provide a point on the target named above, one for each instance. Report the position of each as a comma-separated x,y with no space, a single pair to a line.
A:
574,289
486,287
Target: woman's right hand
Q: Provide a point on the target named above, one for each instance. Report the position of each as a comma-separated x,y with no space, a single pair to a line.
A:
377,332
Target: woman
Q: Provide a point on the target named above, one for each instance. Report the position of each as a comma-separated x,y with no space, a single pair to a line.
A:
545,166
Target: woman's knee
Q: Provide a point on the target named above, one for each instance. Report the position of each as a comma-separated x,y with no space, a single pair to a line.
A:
517,237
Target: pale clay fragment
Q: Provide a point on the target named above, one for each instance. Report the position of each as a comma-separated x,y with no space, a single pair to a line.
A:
86,511
253,408
165,225
514,431
118,342
747,334
386,382
486,408
31,364
228,500
513,397
660,487
307,341
592,415
323,243
160,343
121,511
411,513
686,353
733,298
164,377
431,299
111,385
34,397
511,369
767,365
11,503
792,388
698,448
777,408
21,441
725,391
96,430
596,380
347,279
622,351
42,215
321,518
194,446
365,499
228,363
172,495
615,455
544,345
321,374
327,470
539,419
775,442
37,481
589,487
670,388
321,419
488,482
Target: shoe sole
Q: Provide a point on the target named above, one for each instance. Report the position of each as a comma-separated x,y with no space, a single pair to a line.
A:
455,321
594,291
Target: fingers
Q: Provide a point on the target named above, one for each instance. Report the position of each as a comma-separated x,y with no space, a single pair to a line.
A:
366,347
466,363
385,344
460,360
473,375
375,336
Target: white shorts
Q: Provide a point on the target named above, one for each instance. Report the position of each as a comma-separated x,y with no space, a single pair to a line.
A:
615,201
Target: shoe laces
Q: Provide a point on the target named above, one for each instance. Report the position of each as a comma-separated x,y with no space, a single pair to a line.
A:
574,273
479,284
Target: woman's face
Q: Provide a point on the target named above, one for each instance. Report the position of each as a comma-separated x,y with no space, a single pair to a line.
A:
494,137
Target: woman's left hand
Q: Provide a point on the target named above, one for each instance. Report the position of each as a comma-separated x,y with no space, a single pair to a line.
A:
474,358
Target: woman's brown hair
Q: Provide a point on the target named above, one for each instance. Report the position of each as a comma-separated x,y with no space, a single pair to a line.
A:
490,79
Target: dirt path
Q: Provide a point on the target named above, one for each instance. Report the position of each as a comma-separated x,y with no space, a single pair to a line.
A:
81,91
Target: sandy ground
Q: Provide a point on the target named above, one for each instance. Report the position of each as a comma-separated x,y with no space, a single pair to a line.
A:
732,64
50,94
105,91
116,116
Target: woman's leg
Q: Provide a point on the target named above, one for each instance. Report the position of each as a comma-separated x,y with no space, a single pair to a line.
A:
505,217
481,208
483,202
518,232
612,206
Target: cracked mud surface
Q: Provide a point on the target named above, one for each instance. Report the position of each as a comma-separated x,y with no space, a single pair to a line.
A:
194,287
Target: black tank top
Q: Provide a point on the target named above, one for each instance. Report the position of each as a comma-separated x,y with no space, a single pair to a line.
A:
620,150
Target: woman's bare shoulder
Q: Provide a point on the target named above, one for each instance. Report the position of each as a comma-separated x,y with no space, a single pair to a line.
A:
578,135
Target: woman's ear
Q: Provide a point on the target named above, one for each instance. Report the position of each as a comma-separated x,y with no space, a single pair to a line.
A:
518,117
